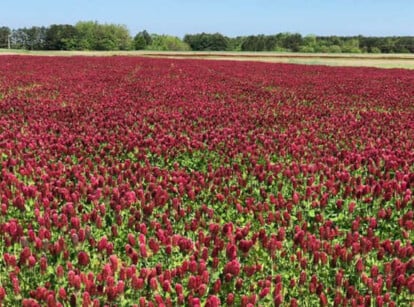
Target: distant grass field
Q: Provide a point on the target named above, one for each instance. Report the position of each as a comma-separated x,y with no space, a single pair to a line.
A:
334,59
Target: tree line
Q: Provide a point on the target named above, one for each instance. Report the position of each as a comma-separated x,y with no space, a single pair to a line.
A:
91,35
295,42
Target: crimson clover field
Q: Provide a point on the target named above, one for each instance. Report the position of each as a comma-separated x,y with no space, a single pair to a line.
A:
157,182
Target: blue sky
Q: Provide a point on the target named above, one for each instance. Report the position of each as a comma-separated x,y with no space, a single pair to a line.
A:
230,17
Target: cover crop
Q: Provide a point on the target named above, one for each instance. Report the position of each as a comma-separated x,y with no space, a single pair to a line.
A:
161,182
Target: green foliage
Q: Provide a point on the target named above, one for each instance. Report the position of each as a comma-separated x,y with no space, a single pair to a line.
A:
234,43
279,42
28,38
95,36
310,41
142,40
90,35
309,44
375,50
351,46
207,42
139,42
167,43
404,45
253,43
293,42
307,49
334,49
61,37
36,38
4,34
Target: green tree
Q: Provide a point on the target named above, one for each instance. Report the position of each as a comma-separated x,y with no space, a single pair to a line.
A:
292,42
387,45
95,36
218,42
253,43
35,38
404,44
19,39
309,44
61,37
322,48
307,49
167,43
270,42
122,37
86,34
207,42
4,36
139,42
234,43
351,45
142,40
375,50
334,49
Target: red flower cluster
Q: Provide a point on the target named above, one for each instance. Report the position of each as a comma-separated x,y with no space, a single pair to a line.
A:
160,182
